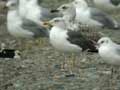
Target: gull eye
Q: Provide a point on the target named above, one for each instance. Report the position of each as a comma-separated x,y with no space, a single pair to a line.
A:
75,2
64,7
56,20
102,42
13,4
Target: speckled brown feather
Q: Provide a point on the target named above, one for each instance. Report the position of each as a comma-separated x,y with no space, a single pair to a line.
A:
86,37
91,33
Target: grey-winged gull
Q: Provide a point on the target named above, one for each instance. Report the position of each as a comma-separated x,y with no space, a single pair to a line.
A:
93,16
21,27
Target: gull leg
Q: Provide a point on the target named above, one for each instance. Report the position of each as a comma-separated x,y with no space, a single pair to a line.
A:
69,64
113,77
40,42
83,54
72,63
64,65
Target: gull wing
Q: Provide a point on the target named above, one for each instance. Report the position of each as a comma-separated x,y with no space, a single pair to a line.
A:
31,26
85,38
104,19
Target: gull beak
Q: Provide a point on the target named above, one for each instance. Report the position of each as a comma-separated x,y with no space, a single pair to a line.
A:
5,7
54,11
47,24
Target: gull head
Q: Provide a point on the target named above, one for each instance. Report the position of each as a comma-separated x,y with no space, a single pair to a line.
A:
12,4
80,3
104,41
65,9
59,22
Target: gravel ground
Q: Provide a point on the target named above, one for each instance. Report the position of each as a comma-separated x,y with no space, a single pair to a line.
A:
40,66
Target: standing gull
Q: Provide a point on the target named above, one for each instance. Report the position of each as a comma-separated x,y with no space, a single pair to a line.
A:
93,17
71,41
110,53
21,27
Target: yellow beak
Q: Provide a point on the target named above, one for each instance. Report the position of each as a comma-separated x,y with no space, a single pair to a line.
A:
47,24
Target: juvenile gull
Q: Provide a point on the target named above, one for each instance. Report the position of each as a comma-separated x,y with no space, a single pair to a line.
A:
93,16
21,27
109,51
68,40
68,12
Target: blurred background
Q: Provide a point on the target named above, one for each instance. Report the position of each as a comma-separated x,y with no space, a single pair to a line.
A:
39,66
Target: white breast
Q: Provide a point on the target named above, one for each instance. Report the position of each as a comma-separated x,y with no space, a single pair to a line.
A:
109,55
58,39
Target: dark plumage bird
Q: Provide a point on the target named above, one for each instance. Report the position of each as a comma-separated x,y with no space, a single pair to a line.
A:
73,41
9,53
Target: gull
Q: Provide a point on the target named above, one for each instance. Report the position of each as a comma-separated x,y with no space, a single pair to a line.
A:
31,10
67,40
93,16
68,12
22,27
109,51
71,41
107,4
